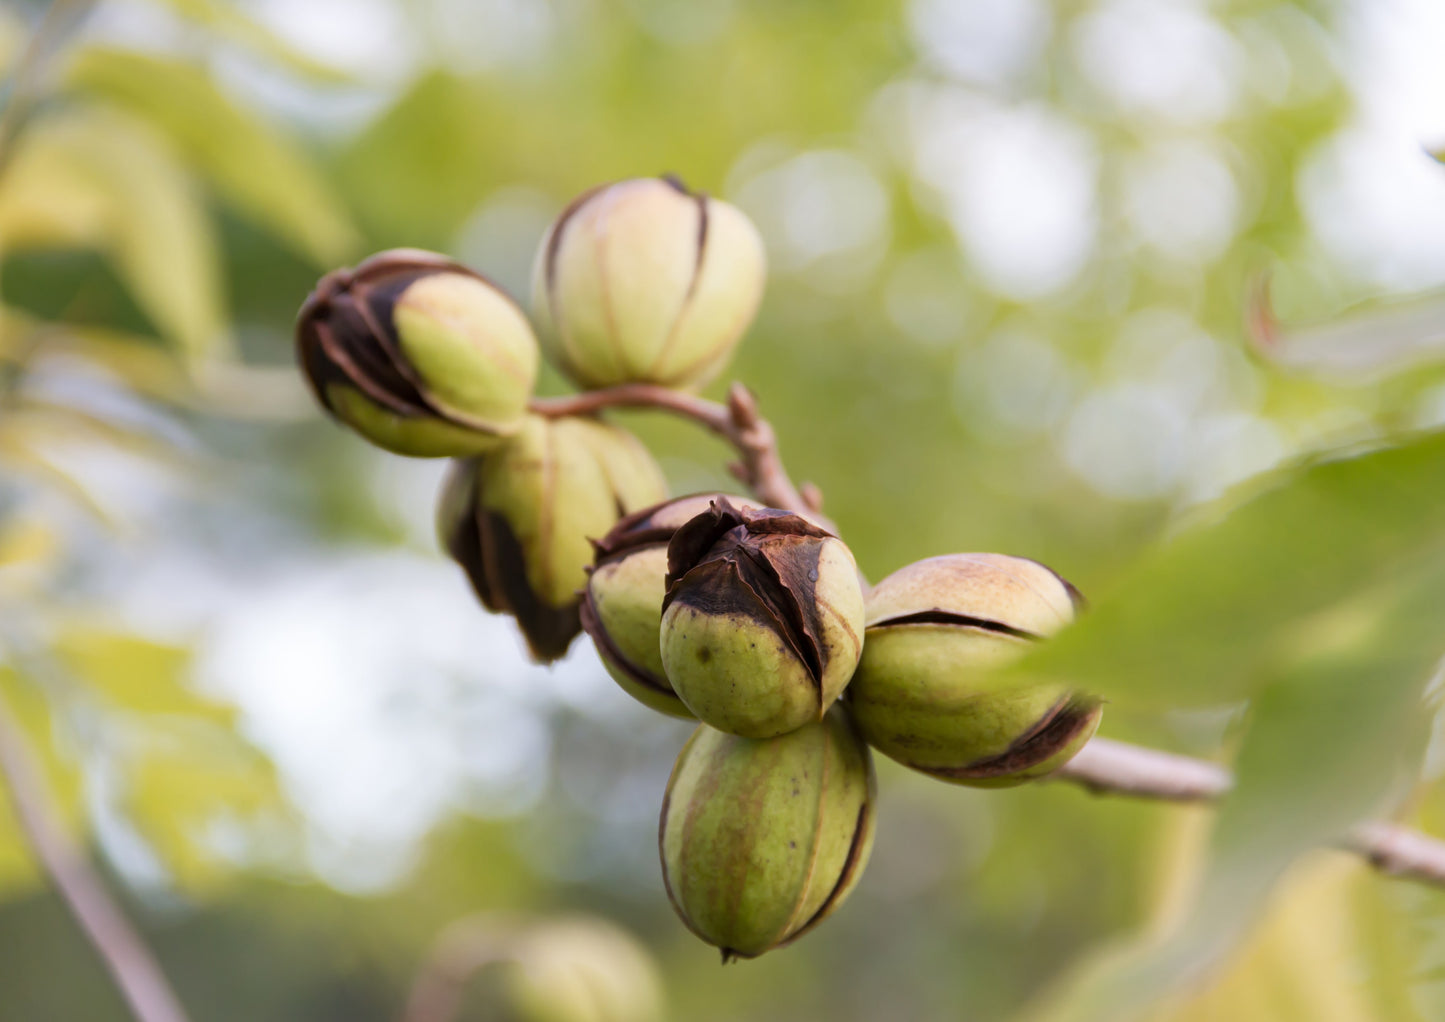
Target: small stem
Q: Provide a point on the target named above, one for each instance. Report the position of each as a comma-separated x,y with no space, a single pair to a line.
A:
638,395
120,947
738,422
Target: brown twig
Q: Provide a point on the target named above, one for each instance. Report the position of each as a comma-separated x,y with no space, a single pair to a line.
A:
1107,767
1103,766
120,947
1399,852
760,468
460,952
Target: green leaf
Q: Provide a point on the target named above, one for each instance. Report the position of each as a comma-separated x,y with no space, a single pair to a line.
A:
1329,740
250,164
1318,598
132,199
1208,617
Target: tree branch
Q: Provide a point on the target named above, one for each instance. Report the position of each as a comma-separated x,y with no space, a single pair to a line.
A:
121,949
1103,766
1107,767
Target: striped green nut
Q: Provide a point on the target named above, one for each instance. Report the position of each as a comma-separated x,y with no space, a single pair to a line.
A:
521,520
642,281
622,603
926,693
762,839
418,354
762,623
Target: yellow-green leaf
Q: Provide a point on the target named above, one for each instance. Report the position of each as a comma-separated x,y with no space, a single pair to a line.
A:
183,784
253,166
135,673
138,205
49,198
30,548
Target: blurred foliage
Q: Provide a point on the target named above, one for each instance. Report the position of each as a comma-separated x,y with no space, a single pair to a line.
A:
175,175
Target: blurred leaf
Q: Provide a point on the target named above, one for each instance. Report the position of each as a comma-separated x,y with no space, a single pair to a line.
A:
1328,741
134,673
1206,618
69,423
136,360
51,197
217,387
22,452
27,704
35,437
250,164
135,201
184,786
30,548
227,21
26,541
186,768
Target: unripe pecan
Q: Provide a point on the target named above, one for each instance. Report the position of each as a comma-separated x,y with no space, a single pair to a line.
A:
521,520
761,839
762,621
622,603
926,693
418,354
642,281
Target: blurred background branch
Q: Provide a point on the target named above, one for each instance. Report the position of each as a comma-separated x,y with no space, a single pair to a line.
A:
61,19
101,920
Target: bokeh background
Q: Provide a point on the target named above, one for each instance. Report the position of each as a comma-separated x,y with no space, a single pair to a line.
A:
1016,250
